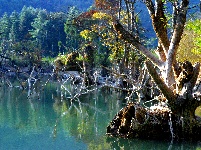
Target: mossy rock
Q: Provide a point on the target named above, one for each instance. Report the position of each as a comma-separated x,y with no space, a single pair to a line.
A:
68,62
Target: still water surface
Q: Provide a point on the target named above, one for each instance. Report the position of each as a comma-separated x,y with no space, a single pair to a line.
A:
50,121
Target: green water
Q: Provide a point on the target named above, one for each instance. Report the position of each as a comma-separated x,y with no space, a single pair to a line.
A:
48,120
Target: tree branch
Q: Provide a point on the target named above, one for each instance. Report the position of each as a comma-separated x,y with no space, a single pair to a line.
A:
168,93
128,37
161,52
196,71
176,37
150,7
159,22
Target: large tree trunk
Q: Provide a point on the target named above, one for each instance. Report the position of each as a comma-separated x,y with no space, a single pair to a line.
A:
177,120
176,84
182,102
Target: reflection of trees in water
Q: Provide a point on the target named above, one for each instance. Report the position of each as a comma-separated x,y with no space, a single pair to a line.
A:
87,117
23,114
136,144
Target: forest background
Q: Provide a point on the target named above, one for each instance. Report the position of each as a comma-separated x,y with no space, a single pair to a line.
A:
46,29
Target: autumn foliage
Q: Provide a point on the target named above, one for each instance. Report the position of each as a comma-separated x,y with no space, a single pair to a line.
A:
111,5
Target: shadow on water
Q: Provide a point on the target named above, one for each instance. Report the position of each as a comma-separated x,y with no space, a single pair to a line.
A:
49,120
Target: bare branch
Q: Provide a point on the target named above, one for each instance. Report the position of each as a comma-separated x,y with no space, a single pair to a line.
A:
176,37
128,37
168,93
161,52
159,22
150,6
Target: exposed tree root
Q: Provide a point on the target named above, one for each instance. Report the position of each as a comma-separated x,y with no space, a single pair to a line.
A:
134,121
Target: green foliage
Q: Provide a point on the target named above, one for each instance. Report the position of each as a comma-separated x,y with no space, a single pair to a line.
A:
63,59
108,37
26,53
37,25
71,29
195,26
59,44
80,36
190,45
5,26
67,62
14,30
48,30
27,16
47,60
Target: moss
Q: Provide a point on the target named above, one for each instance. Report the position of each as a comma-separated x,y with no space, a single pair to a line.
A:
68,62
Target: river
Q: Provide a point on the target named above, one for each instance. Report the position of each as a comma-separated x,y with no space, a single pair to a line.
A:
49,120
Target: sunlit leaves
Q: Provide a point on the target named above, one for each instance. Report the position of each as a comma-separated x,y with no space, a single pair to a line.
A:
188,49
100,15
195,27
86,34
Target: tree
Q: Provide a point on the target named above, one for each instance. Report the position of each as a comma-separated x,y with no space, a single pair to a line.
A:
14,31
176,82
27,16
71,29
5,27
54,32
39,30
48,30
101,33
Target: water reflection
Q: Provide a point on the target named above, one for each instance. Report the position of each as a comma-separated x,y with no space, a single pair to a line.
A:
147,145
51,121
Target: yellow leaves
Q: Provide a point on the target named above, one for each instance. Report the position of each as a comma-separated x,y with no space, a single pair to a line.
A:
187,49
100,15
117,49
195,51
104,35
86,34
190,45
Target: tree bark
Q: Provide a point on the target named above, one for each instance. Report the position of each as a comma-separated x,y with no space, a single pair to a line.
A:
176,85
175,40
168,93
159,22
128,37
